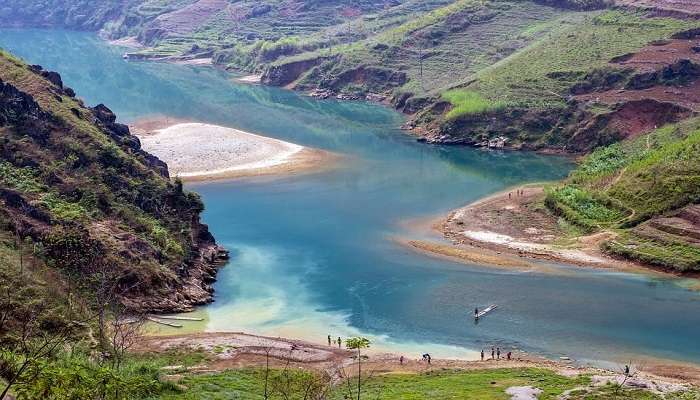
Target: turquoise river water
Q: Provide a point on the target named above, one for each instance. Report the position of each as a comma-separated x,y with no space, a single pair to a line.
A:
313,255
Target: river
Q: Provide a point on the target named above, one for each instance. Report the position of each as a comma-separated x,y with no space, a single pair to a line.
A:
313,255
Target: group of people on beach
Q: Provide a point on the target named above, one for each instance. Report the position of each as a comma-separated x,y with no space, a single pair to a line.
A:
519,192
339,342
496,354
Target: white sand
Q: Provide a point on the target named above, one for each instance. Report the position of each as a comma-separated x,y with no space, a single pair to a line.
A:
505,240
250,79
196,150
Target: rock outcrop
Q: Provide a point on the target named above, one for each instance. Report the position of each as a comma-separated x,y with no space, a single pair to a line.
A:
79,184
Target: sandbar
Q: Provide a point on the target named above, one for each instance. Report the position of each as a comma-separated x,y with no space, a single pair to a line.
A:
197,151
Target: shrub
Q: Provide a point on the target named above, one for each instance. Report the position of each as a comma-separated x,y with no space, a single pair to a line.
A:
22,179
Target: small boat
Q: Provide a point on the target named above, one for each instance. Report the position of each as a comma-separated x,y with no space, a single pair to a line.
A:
178,318
158,321
485,311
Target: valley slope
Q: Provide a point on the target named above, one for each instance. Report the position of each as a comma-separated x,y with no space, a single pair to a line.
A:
78,194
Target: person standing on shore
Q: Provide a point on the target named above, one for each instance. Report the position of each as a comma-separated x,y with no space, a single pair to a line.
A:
498,353
401,360
482,354
340,342
329,340
493,353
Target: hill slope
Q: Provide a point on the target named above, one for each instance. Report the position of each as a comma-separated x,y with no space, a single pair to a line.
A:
77,185
646,190
513,73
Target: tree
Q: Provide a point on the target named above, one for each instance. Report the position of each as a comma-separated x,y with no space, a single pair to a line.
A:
358,343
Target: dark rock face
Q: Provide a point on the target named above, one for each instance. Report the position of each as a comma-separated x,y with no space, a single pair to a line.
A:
16,107
577,4
690,34
376,78
282,75
680,72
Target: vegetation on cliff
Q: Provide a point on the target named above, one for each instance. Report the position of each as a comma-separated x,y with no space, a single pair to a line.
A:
93,234
645,190
76,183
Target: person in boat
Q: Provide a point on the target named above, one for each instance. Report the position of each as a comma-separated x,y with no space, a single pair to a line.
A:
482,354
476,312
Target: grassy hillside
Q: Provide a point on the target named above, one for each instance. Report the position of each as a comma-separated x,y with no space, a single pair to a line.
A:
470,72
644,189
72,179
91,230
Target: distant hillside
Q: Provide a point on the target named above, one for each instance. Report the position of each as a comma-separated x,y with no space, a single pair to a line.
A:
562,75
77,187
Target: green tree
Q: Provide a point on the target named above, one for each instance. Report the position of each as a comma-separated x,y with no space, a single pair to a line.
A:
358,343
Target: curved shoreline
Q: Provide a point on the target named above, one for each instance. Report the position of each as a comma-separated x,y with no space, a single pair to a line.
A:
202,152
472,238
241,350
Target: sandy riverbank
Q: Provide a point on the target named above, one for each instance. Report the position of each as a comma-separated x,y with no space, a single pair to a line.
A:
200,152
250,79
512,229
240,350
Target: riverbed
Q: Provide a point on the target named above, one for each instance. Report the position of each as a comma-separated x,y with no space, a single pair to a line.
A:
313,255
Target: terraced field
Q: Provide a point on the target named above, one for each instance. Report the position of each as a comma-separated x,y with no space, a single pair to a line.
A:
655,176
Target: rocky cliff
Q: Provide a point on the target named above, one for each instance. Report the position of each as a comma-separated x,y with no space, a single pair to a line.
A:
77,184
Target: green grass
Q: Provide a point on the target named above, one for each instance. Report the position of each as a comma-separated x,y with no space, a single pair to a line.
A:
625,184
487,384
541,74
662,180
672,254
465,102
587,209
476,385
243,384
23,179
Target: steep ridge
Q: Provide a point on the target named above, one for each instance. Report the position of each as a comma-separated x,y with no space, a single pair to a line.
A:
77,184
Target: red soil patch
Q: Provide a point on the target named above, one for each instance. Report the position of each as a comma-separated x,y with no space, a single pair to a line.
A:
642,110
687,97
661,54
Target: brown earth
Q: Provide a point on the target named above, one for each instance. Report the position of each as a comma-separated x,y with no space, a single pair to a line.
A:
510,230
664,88
239,350
676,58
